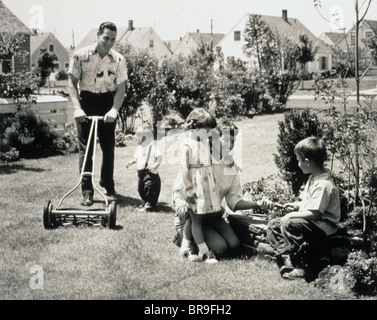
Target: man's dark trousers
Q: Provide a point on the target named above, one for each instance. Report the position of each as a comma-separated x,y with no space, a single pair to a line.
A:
95,104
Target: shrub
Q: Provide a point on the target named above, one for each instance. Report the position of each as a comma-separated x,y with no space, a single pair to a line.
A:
31,135
297,125
361,271
10,155
68,141
272,188
121,138
62,75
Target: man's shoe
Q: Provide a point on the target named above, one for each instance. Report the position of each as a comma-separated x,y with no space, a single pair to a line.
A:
88,200
111,197
148,207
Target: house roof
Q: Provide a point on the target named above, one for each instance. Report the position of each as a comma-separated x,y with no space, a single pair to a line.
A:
334,36
37,40
89,39
292,27
372,24
135,36
9,22
206,38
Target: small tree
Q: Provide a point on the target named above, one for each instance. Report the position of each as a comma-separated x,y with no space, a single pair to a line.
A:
278,57
142,68
257,37
297,125
46,62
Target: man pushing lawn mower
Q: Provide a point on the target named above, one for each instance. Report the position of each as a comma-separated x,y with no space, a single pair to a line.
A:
97,76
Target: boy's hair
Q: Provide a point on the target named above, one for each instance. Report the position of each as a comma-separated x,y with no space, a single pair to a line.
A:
144,131
106,25
200,118
312,148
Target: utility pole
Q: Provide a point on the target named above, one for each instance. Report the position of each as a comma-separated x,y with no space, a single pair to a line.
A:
211,35
73,40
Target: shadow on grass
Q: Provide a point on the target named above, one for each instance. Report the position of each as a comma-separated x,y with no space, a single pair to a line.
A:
10,169
123,201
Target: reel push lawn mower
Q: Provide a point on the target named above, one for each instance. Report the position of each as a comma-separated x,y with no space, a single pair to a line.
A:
60,216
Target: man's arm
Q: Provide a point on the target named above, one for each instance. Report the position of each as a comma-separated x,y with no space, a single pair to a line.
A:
73,92
118,100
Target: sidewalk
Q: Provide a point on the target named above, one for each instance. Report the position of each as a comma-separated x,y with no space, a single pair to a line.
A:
306,99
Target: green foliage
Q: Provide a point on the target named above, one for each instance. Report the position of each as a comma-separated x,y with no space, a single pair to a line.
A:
11,46
62,75
235,81
279,59
297,125
272,188
45,62
142,68
68,141
9,156
19,86
29,134
361,271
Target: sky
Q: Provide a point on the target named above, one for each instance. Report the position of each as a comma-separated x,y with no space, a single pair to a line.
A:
71,20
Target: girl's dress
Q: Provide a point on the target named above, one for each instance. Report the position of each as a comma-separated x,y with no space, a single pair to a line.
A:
201,172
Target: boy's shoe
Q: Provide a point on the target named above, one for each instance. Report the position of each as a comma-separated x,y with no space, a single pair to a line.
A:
87,200
185,253
288,266
294,274
265,248
208,257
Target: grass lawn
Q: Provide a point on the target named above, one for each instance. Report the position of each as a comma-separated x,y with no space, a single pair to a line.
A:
138,260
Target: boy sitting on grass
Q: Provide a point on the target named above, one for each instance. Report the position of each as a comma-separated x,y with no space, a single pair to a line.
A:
311,220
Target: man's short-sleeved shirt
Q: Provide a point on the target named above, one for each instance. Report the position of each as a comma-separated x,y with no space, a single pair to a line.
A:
321,194
95,74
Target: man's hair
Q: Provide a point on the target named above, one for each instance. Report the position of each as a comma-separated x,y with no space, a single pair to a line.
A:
106,25
312,148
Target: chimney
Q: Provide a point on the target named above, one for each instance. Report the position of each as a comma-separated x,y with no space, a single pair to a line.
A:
197,30
130,25
285,15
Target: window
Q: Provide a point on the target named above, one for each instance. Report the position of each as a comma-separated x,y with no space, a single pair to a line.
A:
353,38
187,43
6,64
323,63
151,44
66,65
368,35
51,47
237,35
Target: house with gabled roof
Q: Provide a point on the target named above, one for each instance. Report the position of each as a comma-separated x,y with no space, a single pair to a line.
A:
194,40
9,23
331,38
367,30
139,38
48,41
233,42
